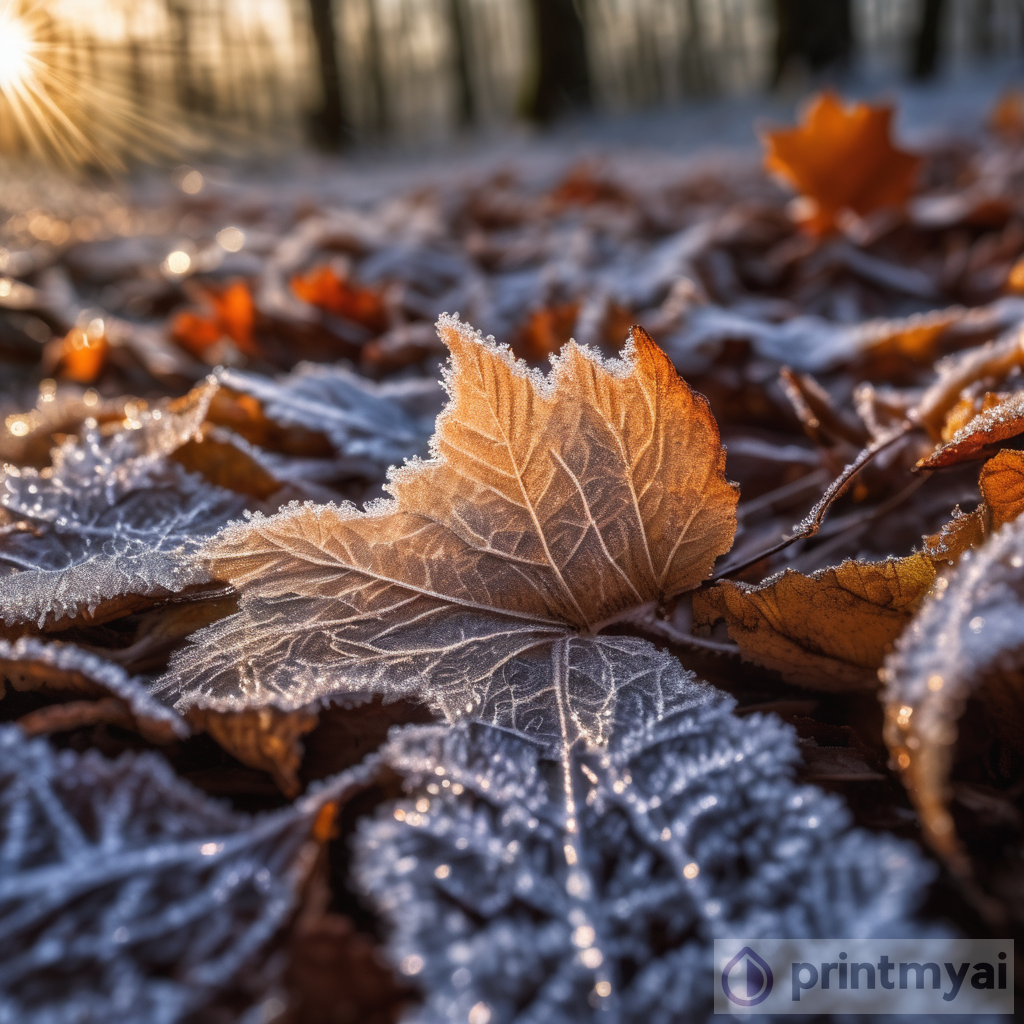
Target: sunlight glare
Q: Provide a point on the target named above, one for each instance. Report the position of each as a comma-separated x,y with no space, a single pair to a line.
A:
16,46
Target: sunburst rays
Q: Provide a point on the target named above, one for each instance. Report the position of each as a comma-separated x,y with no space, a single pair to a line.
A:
58,106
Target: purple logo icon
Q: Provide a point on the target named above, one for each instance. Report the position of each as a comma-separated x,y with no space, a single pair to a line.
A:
746,979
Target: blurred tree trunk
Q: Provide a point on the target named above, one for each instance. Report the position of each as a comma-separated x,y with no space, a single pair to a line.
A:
458,21
562,78
696,72
378,84
925,58
327,123
817,34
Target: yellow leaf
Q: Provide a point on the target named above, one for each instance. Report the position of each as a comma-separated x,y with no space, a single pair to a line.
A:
827,631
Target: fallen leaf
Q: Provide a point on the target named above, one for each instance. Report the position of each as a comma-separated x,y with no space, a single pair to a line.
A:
545,331
122,886
32,664
841,158
692,826
232,315
998,421
552,506
965,643
324,288
81,355
827,631
1007,115
264,738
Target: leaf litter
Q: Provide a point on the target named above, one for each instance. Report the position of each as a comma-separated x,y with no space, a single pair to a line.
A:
581,644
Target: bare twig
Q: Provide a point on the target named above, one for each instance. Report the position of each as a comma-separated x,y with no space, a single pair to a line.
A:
811,523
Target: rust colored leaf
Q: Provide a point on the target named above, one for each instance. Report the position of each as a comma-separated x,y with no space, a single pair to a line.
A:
1002,486
996,422
583,186
827,631
232,314
841,158
264,738
553,505
1007,115
81,355
325,289
545,331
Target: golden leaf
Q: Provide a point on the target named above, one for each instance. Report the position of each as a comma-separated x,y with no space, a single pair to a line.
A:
827,631
552,506
994,423
841,158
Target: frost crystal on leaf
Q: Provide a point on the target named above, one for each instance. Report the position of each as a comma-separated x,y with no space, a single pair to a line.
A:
127,895
29,663
552,506
967,640
112,517
687,828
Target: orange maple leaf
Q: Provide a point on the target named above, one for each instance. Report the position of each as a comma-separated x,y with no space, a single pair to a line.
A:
82,353
841,159
325,289
232,314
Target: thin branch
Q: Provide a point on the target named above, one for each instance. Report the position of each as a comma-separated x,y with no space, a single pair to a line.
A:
661,628
811,523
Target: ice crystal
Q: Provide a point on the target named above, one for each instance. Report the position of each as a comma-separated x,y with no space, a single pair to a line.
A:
112,516
126,895
507,901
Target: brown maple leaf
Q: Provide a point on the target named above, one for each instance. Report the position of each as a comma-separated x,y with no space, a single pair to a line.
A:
827,631
553,506
841,159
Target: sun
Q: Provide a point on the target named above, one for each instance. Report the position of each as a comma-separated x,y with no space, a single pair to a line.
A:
16,47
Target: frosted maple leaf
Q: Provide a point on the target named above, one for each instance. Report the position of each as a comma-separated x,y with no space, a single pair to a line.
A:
125,894
689,828
552,506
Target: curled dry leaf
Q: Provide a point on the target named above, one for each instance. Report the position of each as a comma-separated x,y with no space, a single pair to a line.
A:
827,631
31,664
841,158
997,422
987,364
1001,482
552,506
832,630
264,738
125,894
967,642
